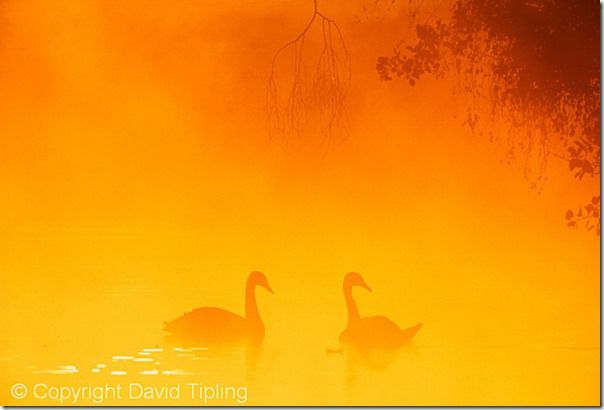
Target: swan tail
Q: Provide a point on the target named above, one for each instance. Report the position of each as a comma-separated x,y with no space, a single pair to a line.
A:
410,332
167,325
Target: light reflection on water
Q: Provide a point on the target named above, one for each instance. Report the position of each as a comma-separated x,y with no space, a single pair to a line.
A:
67,369
415,375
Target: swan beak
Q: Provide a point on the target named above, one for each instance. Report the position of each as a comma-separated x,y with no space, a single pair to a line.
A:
268,287
364,286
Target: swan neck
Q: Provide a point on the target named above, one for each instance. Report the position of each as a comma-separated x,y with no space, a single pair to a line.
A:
251,308
353,311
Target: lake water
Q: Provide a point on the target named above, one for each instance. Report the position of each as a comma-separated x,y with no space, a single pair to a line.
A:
309,375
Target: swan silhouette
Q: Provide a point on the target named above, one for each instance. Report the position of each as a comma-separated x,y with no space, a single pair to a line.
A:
374,331
215,326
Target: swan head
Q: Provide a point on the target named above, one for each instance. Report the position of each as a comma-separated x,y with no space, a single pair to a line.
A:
259,279
354,279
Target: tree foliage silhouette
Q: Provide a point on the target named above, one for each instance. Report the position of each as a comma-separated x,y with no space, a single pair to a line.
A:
303,101
531,64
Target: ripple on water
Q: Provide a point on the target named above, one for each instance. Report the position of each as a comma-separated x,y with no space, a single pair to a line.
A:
143,359
176,372
153,349
121,358
149,361
66,369
185,355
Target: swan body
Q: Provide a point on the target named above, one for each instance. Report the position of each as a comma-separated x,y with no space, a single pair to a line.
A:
372,331
208,324
216,326
378,332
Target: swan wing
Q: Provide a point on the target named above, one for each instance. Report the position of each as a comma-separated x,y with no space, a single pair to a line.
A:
380,324
207,323
372,331
377,332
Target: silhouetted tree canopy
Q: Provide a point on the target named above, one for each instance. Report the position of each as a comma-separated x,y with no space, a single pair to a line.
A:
533,64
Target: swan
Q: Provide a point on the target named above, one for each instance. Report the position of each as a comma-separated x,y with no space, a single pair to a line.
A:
373,331
216,326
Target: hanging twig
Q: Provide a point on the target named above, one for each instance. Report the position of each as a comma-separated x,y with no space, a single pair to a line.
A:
315,103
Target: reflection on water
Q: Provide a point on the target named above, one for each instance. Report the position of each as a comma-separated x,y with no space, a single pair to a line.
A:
376,359
67,369
157,361
413,375
294,369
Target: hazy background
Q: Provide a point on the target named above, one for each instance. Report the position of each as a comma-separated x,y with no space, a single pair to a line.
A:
138,181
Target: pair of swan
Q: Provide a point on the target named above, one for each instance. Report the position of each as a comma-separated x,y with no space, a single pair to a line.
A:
210,325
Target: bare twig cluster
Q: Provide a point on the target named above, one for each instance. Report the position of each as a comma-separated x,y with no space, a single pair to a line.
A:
309,98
